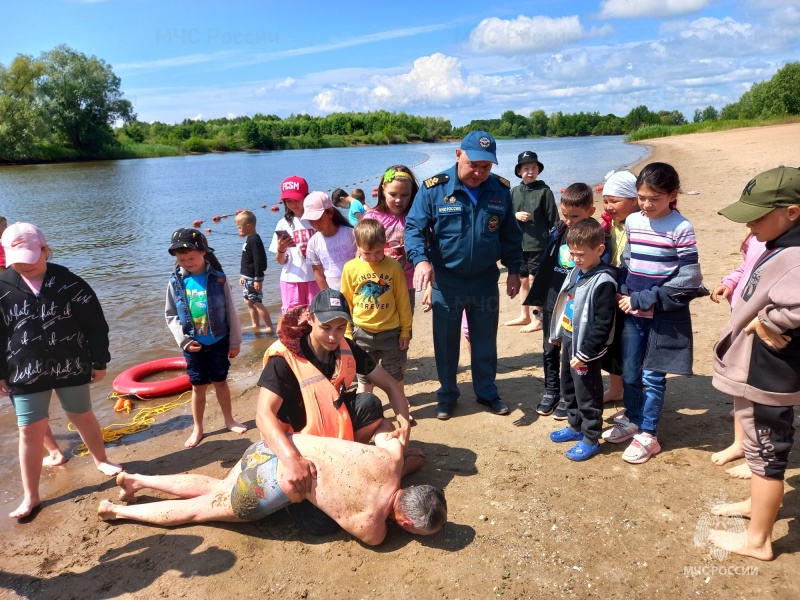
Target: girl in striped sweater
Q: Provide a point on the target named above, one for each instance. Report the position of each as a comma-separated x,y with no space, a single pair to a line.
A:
661,275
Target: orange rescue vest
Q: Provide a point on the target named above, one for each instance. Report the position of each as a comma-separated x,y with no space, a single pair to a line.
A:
320,394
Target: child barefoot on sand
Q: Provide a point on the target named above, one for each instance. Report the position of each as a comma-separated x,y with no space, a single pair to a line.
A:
202,317
54,338
763,331
730,290
536,212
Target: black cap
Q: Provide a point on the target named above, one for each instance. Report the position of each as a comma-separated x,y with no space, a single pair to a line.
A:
330,304
188,238
525,158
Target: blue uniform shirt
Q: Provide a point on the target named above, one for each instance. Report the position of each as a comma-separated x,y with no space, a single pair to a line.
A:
446,229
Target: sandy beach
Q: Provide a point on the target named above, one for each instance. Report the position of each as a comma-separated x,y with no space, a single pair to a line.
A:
524,522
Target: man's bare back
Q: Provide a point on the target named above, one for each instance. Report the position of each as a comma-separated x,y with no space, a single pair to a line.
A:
356,484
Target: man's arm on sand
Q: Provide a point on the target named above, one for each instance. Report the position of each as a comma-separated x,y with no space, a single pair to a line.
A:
298,471
380,377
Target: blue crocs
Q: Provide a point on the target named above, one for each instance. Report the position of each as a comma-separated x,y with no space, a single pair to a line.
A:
566,434
583,451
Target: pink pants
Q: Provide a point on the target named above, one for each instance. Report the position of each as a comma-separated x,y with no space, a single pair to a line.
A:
297,293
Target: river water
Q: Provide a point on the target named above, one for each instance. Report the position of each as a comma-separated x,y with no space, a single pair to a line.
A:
111,221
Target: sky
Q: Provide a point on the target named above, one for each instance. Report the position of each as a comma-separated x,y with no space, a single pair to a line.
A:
458,60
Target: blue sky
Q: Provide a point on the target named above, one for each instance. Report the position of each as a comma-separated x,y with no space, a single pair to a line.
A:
459,60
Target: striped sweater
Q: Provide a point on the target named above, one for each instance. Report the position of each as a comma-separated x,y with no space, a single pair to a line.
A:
658,249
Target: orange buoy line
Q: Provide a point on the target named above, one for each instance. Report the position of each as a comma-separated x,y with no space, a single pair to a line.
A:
275,208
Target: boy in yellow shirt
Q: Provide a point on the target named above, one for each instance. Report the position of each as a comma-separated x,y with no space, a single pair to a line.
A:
375,287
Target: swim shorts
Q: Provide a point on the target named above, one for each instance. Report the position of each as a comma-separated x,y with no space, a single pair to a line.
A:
249,292
256,492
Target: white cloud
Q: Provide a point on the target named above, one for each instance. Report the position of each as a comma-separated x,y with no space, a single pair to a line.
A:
197,118
435,80
286,83
708,28
527,34
652,9
231,115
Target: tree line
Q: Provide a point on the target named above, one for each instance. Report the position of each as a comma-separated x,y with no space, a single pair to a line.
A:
64,105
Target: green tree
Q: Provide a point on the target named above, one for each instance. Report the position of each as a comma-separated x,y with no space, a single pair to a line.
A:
82,99
21,124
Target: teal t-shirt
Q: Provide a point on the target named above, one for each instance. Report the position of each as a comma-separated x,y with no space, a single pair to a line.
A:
196,297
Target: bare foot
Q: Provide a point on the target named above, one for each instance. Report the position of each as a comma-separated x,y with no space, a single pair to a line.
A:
536,325
730,453
268,330
612,396
108,468
732,509
517,321
194,439
739,543
236,427
54,459
740,472
28,505
105,510
129,487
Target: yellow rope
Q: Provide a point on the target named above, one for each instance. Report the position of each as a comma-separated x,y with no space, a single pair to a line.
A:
142,420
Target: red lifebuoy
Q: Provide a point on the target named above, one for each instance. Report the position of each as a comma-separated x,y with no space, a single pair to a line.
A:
129,381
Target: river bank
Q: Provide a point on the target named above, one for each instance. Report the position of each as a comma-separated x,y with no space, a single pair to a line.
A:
523,521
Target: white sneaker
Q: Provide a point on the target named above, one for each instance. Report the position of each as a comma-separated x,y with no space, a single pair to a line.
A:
622,430
641,449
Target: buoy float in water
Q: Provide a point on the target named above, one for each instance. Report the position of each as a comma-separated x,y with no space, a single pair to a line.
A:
238,210
263,206
197,223
215,218
208,229
599,188
563,190
224,216
374,194
275,208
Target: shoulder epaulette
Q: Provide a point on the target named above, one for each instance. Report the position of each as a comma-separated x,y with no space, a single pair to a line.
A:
504,181
436,180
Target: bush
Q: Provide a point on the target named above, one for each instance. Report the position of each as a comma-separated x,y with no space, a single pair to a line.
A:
195,144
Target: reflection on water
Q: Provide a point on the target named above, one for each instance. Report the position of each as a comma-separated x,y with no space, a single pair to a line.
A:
111,222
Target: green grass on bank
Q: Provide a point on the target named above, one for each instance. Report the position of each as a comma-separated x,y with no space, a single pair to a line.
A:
657,131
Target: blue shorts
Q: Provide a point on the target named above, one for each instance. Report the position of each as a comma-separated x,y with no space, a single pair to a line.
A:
249,292
31,408
210,364
256,492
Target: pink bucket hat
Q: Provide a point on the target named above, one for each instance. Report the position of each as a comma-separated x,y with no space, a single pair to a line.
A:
23,243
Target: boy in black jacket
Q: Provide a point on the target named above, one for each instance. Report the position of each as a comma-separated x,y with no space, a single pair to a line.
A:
254,264
577,203
584,327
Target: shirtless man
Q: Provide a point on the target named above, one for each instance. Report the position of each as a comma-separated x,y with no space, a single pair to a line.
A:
356,485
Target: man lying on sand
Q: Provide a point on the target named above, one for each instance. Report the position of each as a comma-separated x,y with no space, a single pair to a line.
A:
356,485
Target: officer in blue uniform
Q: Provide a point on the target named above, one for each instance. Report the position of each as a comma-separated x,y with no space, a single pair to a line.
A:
460,224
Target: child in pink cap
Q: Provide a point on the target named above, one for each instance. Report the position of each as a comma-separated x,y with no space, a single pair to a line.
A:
55,338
